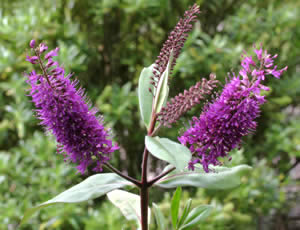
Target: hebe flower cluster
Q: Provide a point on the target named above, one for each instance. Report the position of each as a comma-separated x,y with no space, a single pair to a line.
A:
232,115
65,112
174,43
182,103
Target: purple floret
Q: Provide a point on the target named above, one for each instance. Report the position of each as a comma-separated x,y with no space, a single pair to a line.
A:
63,110
232,115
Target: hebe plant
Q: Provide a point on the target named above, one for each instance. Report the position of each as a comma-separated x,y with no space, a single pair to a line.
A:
83,139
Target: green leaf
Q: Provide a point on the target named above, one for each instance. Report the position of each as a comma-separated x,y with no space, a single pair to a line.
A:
145,97
91,188
129,205
198,214
185,212
170,151
220,178
162,91
175,206
159,217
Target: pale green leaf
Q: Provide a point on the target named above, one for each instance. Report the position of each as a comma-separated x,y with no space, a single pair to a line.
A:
219,178
91,188
162,91
145,97
185,212
176,154
159,217
129,205
197,215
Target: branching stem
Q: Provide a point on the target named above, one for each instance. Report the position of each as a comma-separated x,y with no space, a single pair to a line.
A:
132,180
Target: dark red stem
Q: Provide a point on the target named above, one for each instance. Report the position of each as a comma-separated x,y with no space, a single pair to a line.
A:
144,196
132,180
151,182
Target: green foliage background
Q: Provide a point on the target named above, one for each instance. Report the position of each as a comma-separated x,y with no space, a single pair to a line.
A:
107,43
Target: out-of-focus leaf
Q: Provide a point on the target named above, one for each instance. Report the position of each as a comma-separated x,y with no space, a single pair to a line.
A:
159,217
129,205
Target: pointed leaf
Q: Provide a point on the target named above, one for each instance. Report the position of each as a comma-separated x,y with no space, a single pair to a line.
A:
159,217
170,151
145,97
221,178
129,205
185,212
162,91
175,206
91,188
197,215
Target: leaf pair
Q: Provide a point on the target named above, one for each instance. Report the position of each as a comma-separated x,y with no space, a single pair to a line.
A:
100,184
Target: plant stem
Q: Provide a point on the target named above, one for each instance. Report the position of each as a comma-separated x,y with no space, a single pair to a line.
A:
132,180
150,183
144,192
42,67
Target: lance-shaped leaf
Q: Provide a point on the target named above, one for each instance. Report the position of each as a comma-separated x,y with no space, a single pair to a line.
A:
159,217
91,188
197,215
175,206
129,205
170,151
145,97
162,90
219,178
185,212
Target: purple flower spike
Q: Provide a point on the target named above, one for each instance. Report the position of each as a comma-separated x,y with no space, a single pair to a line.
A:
64,112
232,115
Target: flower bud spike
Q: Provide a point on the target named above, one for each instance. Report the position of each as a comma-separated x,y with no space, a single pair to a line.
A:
174,43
